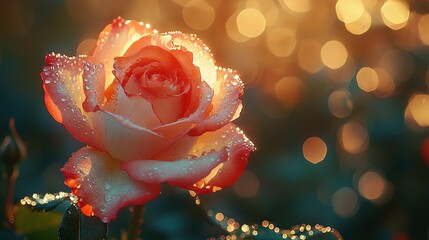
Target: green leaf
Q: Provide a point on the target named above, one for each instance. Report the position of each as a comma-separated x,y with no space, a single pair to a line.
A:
77,226
36,225
47,202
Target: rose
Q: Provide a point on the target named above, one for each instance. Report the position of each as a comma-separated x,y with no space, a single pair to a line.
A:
152,108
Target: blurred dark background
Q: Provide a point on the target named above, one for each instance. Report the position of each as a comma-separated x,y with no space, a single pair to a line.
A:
336,101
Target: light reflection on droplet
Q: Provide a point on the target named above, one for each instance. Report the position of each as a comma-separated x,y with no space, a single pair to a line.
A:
353,137
289,91
371,185
281,42
349,10
345,202
395,13
314,149
309,56
333,54
247,185
423,27
340,104
367,79
250,22
198,14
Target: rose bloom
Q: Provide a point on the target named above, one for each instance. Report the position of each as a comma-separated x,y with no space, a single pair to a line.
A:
152,108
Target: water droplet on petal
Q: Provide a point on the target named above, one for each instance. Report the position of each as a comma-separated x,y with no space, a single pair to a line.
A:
107,186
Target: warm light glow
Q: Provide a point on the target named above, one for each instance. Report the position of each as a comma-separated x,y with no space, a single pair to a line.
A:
423,27
232,30
367,79
334,54
86,47
251,22
247,185
371,185
198,14
281,42
309,56
353,137
418,107
298,5
361,25
219,217
395,13
349,10
345,202
289,91
314,149
386,84
340,104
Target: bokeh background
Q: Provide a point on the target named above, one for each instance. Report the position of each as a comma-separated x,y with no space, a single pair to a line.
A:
336,101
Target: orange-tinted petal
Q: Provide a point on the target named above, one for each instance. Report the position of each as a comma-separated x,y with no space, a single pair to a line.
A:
94,78
226,102
182,172
114,41
102,188
62,82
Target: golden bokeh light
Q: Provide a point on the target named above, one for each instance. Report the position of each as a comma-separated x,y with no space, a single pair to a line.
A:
349,10
395,13
309,56
298,5
251,22
367,79
418,107
353,137
198,14
371,185
345,202
340,103
232,29
314,149
333,54
361,25
386,84
281,42
289,91
247,185
86,47
423,27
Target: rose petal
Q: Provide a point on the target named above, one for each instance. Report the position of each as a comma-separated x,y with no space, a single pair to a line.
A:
102,188
226,103
125,140
94,77
168,109
202,56
180,172
135,109
238,148
62,82
180,127
115,39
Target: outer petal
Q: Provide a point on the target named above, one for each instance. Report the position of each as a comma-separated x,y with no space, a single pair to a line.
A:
183,172
62,82
225,174
226,103
202,55
103,189
125,140
114,41
94,78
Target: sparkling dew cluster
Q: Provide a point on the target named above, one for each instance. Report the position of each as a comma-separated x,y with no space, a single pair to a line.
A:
153,108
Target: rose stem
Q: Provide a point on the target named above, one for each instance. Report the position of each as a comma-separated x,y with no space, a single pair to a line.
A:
136,219
9,196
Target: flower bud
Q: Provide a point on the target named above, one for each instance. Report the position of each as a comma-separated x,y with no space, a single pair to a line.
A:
12,150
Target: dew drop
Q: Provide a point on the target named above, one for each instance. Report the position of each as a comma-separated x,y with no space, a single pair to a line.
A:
107,186
105,219
63,99
47,81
